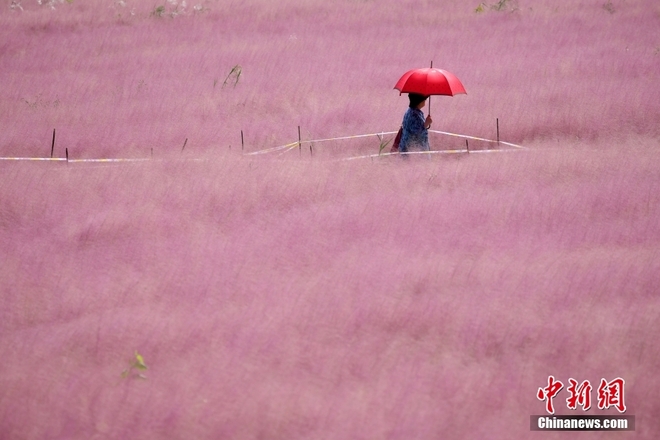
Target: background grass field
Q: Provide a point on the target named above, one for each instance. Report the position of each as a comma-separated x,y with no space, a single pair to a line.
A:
302,297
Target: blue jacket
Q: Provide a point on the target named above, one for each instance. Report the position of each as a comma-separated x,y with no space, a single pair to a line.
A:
414,136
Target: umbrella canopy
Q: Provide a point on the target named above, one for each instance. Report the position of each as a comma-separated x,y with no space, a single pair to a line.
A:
430,81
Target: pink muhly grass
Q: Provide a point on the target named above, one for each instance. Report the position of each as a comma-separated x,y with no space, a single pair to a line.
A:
352,299
288,297
547,72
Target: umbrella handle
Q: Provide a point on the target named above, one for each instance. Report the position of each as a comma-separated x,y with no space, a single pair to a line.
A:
430,95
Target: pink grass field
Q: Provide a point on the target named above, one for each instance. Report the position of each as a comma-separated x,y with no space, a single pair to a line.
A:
291,296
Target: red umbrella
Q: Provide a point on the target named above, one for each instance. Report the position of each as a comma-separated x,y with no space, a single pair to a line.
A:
430,81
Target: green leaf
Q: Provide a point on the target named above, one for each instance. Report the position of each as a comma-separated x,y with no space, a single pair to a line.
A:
139,361
383,144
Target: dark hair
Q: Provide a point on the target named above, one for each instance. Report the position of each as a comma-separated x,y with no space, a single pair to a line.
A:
416,99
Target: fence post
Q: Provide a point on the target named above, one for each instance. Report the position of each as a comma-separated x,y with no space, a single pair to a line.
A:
52,145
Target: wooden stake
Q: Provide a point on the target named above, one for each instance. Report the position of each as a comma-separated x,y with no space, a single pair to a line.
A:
497,120
299,141
242,141
184,145
66,151
152,153
467,147
52,145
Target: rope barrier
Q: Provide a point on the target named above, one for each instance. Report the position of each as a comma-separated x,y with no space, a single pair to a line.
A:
291,146
273,149
431,152
282,149
464,136
61,159
34,158
349,137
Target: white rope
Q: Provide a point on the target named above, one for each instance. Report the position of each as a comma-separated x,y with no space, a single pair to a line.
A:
431,152
32,158
61,159
109,160
292,145
350,137
282,149
464,136
273,149
288,149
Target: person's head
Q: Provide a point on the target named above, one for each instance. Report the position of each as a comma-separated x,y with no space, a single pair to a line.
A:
417,100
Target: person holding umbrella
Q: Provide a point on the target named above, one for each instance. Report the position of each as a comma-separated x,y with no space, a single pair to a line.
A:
414,129
420,84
